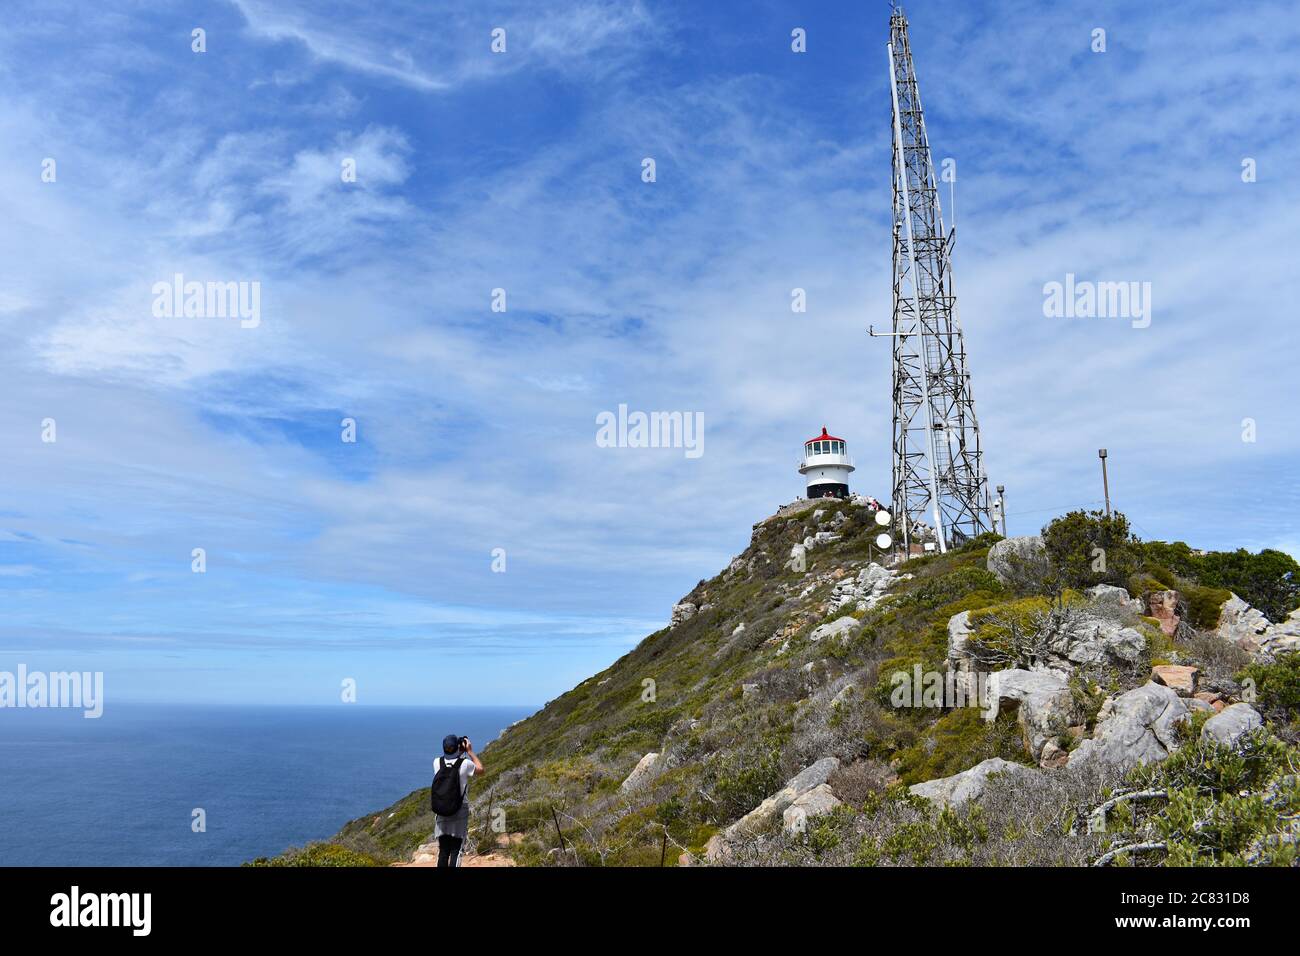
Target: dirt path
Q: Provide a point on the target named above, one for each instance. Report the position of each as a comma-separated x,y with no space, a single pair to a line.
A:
427,854
487,859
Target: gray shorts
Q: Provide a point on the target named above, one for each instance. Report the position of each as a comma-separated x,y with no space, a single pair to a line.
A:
456,825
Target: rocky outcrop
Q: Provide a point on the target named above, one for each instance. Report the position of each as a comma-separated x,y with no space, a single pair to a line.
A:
866,590
820,539
1018,561
1249,629
1079,639
815,803
1137,727
682,612
1042,702
716,849
640,774
1109,594
1182,680
1085,640
767,812
959,659
1212,699
970,784
840,627
1168,608
1231,723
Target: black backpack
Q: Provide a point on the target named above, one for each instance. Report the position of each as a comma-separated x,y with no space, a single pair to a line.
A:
445,794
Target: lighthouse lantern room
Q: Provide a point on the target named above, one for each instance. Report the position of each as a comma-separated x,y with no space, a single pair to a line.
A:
826,465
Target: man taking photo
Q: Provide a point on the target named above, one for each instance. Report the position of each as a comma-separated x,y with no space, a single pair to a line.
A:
449,796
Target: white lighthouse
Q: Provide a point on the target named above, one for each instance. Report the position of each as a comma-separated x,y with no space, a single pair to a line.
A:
826,466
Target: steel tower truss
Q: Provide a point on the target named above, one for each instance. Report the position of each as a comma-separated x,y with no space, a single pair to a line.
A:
938,470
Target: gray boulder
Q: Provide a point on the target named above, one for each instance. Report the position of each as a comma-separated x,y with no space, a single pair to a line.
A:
1241,624
1249,629
866,590
1043,703
640,773
1137,727
1019,561
840,627
682,612
767,812
959,661
1109,594
969,784
814,803
1229,724
1084,640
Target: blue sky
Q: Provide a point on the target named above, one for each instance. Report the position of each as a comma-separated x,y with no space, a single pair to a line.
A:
521,170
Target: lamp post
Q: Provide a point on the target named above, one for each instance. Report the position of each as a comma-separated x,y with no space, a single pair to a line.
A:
1002,507
1105,483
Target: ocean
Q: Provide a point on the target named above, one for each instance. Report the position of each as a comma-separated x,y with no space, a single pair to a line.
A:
121,790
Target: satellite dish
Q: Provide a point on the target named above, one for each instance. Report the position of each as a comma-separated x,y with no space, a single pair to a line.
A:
883,541
883,518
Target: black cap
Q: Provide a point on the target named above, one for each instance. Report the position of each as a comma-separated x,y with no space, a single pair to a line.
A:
450,743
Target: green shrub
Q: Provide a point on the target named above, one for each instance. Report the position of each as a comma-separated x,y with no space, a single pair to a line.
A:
1213,805
958,741
1162,575
318,854
1089,548
1269,580
743,780
1204,605
996,628
1277,686
932,832
927,647
953,586
1176,558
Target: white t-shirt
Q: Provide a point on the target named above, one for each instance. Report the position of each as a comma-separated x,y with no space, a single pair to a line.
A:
466,771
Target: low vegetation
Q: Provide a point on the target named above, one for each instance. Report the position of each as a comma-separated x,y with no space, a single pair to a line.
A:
734,712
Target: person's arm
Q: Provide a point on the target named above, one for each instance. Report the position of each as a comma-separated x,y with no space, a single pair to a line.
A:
469,752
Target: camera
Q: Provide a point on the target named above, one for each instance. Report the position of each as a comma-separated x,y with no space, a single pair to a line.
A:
464,743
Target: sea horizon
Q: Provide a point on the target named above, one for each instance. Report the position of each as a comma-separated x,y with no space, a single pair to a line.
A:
131,788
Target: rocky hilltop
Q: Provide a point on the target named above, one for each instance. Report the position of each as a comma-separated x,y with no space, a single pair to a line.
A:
1074,698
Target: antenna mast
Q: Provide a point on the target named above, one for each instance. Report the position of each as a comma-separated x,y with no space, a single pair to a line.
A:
939,476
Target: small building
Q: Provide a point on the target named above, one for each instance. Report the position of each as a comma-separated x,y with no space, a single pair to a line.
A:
826,466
